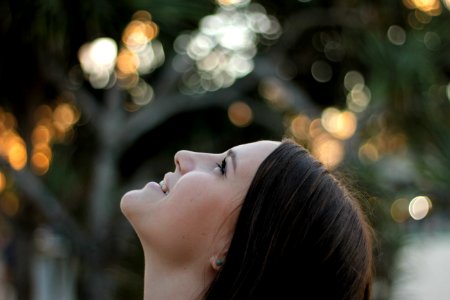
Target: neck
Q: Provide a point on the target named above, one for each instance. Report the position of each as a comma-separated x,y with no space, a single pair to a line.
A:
163,281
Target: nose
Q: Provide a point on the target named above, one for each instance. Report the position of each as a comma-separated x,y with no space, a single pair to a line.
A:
184,161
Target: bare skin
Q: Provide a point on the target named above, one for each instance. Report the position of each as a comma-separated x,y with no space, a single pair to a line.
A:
186,225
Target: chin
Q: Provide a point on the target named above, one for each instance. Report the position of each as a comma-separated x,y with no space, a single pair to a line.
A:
128,202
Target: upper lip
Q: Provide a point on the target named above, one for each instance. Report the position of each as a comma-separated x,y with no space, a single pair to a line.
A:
166,187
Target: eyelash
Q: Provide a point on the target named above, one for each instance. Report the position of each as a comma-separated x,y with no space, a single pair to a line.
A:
223,166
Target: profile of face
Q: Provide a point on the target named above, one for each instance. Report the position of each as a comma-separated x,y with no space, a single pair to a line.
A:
192,216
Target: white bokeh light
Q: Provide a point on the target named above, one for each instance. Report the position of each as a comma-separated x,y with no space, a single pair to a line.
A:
223,48
97,60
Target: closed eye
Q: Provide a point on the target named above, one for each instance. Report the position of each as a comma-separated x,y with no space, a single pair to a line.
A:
223,166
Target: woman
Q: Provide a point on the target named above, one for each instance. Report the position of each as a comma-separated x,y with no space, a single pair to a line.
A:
261,221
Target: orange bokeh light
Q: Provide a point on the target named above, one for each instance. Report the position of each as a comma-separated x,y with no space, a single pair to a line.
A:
41,134
139,33
43,112
2,182
368,152
127,62
315,128
300,126
431,7
399,210
44,149
64,116
40,162
17,156
240,114
328,150
341,125
9,121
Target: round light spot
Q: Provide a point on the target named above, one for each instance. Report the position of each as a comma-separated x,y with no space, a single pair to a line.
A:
321,71
240,114
419,207
396,35
399,210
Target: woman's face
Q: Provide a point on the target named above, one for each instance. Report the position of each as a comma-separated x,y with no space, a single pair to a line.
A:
200,207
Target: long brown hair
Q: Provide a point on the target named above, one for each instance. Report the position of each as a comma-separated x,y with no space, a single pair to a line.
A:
299,235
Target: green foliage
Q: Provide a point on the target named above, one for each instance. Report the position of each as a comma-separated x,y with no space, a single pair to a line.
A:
111,150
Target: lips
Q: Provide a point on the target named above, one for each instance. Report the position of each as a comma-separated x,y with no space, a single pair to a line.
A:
165,184
155,186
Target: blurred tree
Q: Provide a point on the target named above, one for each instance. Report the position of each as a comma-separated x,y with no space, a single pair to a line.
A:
363,84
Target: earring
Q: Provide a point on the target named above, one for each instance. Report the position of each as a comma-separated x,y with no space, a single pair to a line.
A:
219,262
216,263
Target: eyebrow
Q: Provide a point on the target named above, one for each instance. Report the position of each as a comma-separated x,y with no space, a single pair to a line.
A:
232,155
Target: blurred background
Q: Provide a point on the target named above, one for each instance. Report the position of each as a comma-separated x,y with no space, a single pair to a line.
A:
97,96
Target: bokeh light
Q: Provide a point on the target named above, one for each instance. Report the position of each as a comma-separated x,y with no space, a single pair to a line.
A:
353,78
432,41
127,62
142,93
9,204
321,71
315,128
400,210
40,162
41,135
447,4
223,48
419,207
43,112
138,33
65,116
368,153
431,7
2,182
12,146
41,158
341,125
17,155
359,98
383,143
272,90
240,114
396,35
226,3
140,54
359,95
448,91
328,150
51,125
97,60
330,42
300,127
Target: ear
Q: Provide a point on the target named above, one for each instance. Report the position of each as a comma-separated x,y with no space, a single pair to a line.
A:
220,248
218,258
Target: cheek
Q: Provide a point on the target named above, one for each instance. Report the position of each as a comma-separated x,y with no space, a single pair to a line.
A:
197,207
193,216
203,195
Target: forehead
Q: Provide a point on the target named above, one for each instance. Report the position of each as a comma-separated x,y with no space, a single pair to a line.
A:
261,147
251,155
